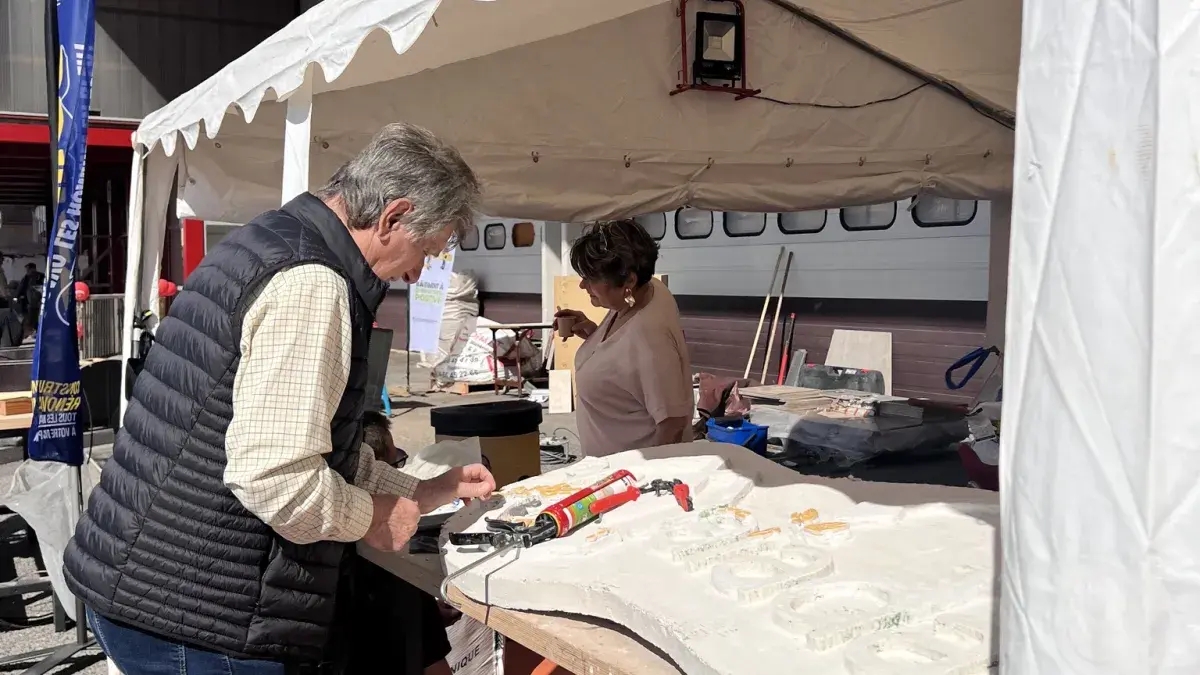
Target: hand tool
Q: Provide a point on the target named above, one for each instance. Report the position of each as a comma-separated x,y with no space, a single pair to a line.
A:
563,517
659,486
556,520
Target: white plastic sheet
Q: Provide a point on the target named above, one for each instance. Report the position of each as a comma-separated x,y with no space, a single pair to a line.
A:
1100,469
44,494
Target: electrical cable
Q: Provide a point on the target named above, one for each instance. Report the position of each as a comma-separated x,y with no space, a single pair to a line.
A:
837,106
556,458
997,114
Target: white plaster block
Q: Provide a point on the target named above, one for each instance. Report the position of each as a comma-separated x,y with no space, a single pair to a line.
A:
746,584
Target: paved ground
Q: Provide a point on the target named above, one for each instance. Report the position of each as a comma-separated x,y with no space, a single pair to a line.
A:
410,428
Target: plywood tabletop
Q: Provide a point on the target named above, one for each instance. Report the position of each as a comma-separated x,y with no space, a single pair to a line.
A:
16,422
578,644
588,646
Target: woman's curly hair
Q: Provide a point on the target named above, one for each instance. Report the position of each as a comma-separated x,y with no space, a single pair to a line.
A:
611,250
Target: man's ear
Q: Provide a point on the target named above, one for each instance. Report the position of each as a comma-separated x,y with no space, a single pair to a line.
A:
392,217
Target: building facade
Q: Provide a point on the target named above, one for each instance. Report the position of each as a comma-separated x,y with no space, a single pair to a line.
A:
147,53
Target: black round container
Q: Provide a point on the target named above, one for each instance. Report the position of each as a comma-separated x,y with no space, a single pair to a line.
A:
507,431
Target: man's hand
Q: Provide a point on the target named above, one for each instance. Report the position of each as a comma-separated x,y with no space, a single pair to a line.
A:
393,523
468,482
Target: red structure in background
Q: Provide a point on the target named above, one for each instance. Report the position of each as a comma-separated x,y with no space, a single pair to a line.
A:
39,133
195,244
25,181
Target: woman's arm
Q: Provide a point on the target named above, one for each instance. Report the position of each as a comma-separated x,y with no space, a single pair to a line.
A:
664,385
670,430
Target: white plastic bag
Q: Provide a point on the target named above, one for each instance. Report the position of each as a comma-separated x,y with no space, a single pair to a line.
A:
44,494
470,359
473,649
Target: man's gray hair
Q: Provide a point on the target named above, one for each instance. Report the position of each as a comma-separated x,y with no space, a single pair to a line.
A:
406,161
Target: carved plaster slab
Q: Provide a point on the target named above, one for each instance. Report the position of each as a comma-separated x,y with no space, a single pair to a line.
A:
766,575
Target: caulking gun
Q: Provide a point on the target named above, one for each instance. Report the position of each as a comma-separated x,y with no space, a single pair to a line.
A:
562,518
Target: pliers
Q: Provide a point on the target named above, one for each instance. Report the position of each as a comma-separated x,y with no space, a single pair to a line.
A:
678,488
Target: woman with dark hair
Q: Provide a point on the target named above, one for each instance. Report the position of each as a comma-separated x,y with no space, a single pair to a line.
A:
632,373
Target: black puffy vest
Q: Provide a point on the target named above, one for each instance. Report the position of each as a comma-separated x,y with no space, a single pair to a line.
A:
164,546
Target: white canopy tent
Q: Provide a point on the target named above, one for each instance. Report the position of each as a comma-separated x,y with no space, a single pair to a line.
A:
561,106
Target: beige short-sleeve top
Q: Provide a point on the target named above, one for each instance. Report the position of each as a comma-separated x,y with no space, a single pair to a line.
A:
633,380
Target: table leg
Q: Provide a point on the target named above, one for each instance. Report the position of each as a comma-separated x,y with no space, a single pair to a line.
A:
495,365
520,381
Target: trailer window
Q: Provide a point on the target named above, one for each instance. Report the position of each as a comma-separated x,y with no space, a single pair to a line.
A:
874,217
523,235
744,223
655,224
470,238
215,232
493,236
929,211
693,223
802,222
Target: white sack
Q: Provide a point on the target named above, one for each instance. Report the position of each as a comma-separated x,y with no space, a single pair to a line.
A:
43,493
470,359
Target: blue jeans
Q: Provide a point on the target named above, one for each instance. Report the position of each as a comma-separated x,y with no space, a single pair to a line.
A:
139,653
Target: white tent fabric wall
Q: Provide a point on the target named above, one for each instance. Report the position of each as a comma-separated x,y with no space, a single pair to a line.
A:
149,203
1099,464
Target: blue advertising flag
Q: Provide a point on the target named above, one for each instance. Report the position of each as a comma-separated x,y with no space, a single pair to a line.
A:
56,433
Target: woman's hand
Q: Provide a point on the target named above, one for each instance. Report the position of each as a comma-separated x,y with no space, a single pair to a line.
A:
576,323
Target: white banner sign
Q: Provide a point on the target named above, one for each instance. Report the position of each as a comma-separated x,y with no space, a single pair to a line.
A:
427,300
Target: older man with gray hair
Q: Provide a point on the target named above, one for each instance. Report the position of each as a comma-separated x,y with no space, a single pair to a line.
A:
217,540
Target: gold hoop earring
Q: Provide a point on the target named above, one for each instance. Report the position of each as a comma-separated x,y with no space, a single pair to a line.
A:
629,298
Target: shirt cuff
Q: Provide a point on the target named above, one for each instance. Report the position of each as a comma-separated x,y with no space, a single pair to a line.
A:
393,481
360,510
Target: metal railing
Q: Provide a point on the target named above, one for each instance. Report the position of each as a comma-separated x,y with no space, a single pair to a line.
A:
101,317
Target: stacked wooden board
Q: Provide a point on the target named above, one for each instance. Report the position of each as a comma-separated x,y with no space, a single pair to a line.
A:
802,400
798,400
16,410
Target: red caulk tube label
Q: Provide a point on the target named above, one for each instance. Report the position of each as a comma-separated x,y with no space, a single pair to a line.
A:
575,510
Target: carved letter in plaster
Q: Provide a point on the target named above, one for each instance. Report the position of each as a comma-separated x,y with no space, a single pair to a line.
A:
956,645
763,542
823,533
830,614
703,532
753,579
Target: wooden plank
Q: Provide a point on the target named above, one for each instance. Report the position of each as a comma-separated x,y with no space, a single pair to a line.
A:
578,644
16,405
16,422
561,397
869,350
568,295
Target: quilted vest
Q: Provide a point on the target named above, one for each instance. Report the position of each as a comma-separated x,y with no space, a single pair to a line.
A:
164,545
